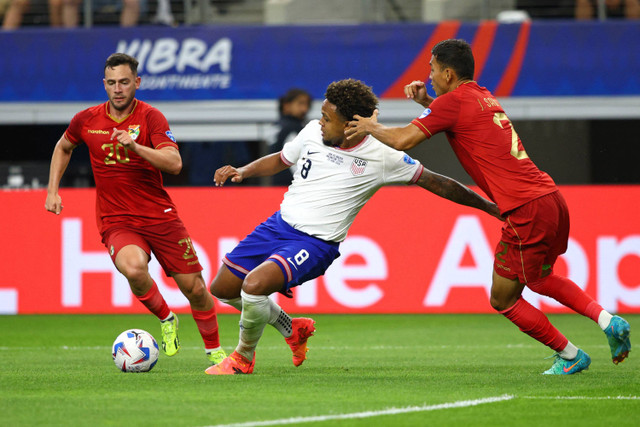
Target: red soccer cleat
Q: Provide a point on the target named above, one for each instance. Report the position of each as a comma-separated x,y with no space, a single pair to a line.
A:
302,329
234,364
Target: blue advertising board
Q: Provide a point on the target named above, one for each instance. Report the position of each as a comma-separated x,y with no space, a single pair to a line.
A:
261,62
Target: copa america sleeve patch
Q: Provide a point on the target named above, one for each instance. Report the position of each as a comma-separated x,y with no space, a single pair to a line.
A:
408,160
170,135
425,113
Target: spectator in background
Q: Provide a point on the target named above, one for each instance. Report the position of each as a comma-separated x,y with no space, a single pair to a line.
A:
293,107
588,9
66,13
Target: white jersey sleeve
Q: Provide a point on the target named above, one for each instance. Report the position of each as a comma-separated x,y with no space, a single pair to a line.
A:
330,185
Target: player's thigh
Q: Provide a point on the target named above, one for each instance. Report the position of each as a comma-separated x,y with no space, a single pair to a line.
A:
265,279
504,291
226,284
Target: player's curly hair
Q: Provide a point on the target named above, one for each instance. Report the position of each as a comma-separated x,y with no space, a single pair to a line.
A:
351,97
122,58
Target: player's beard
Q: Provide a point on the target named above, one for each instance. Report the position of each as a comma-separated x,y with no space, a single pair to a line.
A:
121,107
331,143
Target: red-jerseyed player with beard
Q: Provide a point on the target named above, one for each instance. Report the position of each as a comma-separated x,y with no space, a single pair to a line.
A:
536,229
130,144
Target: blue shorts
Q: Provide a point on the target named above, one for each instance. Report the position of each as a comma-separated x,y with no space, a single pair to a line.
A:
301,257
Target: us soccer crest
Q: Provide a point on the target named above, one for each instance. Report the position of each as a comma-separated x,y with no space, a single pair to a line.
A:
134,131
358,166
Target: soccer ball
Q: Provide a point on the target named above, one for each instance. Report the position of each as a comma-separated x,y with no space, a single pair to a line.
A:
135,350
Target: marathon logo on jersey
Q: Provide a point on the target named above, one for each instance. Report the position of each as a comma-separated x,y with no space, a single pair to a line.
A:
170,135
408,160
134,131
358,166
425,113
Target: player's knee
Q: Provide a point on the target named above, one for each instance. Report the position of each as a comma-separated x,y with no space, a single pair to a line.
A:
253,285
198,291
497,304
134,272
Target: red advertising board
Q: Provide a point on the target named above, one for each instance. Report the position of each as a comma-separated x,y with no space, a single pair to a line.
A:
408,252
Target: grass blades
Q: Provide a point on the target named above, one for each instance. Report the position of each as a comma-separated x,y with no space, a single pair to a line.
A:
362,370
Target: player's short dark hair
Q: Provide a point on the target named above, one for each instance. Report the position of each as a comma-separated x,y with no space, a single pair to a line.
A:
352,97
291,95
457,55
122,58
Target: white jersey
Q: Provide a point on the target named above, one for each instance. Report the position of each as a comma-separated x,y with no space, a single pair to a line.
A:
331,184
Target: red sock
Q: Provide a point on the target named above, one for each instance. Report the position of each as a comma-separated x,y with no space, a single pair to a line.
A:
568,294
534,323
207,322
154,301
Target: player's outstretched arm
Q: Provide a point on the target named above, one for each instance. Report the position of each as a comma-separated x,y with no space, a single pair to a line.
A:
59,162
264,166
451,189
400,138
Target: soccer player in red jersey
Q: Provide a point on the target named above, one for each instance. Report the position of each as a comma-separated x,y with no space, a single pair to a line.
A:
536,228
130,144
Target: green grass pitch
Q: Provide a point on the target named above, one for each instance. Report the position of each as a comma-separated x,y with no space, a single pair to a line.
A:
362,370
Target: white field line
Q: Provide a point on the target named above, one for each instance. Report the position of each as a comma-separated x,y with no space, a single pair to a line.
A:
579,397
425,408
369,414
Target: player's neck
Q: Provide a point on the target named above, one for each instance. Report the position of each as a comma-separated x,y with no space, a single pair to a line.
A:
120,115
347,144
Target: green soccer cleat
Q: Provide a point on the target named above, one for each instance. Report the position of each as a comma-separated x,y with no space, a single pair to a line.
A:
170,341
618,336
216,356
568,367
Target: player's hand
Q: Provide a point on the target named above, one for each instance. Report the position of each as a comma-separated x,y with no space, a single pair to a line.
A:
53,203
417,90
361,126
225,173
123,137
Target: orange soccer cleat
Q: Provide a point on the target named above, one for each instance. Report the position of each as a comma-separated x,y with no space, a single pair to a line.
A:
234,364
302,329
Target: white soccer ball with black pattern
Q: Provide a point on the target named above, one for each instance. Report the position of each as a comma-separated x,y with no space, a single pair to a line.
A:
135,350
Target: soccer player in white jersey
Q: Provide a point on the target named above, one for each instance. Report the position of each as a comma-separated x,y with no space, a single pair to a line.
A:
335,177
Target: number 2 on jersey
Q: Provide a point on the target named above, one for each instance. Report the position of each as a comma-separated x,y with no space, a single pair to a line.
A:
499,119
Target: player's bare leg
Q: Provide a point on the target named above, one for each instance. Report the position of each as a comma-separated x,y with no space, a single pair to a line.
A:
506,298
132,261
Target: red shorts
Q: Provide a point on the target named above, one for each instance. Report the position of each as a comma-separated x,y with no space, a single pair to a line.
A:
533,237
169,242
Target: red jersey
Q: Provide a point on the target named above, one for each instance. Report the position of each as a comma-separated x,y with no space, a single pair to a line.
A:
128,189
486,144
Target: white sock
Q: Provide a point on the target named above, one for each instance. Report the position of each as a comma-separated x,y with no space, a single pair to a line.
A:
234,302
604,319
168,317
255,315
211,350
570,352
279,319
